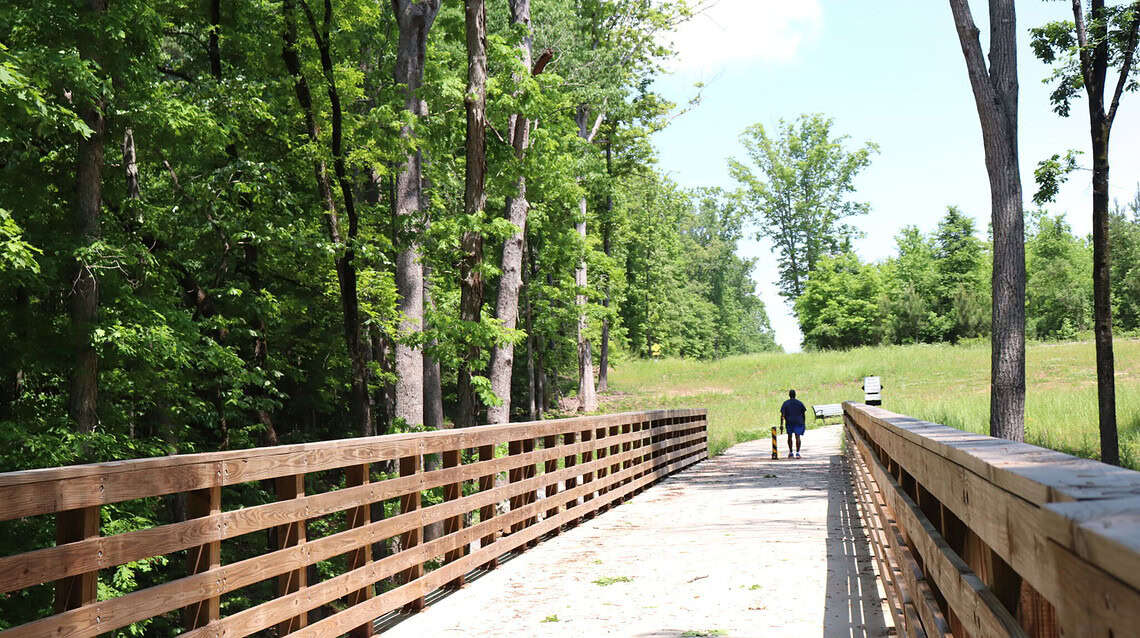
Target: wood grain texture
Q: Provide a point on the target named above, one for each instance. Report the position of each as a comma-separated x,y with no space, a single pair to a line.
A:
199,503
1065,526
43,491
634,466
963,590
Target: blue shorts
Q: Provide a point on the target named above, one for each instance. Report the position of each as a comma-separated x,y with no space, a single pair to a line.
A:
797,429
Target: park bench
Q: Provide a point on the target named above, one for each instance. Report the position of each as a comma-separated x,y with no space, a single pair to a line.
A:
827,410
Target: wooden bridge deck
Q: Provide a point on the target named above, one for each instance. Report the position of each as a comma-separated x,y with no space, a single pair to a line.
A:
739,544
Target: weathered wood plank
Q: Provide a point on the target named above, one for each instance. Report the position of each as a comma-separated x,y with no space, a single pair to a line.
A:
410,505
361,557
964,591
287,536
80,589
252,620
293,559
335,624
199,503
43,491
1017,530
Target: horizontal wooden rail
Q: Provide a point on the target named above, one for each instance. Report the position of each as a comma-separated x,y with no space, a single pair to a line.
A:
976,536
559,471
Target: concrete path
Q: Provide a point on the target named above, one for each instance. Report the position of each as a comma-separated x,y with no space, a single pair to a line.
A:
739,545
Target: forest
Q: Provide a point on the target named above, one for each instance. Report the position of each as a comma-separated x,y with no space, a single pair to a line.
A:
936,288
236,224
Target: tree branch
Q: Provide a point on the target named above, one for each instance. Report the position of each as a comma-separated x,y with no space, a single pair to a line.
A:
543,59
972,50
1126,66
597,125
1082,40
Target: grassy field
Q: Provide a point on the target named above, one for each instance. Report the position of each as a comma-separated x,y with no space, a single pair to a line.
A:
941,383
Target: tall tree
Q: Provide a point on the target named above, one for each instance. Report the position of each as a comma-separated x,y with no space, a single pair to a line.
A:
82,285
474,201
995,95
359,403
800,196
414,19
510,281
587,394
360,408
1093,42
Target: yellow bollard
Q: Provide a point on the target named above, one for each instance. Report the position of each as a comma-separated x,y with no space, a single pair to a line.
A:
775,450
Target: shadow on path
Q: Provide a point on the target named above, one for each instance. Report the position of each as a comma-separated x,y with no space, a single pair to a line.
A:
853,606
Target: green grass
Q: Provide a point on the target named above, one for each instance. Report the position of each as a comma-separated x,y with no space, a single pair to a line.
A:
698,633
941,383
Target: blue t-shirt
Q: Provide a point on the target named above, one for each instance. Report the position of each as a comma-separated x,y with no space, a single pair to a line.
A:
793,411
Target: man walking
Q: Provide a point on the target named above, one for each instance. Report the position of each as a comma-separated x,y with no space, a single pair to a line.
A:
792,415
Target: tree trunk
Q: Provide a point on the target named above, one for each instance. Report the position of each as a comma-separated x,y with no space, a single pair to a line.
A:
995,95
433,393
532,413
474,201
83,287
383,351
360,408
587,397
1102,301
510,282
433,408
415,19
607,248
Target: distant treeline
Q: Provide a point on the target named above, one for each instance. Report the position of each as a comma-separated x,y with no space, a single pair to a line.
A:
937,287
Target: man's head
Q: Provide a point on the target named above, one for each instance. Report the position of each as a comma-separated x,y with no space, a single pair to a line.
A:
791,394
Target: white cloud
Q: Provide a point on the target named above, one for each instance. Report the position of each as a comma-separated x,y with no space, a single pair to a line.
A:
727,32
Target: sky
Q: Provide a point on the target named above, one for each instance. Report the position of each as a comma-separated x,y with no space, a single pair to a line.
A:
890,72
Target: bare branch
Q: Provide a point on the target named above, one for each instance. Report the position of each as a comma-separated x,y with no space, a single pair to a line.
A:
1082,40
1126,66
972,51
597,125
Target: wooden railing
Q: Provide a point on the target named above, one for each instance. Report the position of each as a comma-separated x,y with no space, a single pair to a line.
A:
579,466
983,537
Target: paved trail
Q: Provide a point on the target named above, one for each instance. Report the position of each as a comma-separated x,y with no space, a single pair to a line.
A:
738,546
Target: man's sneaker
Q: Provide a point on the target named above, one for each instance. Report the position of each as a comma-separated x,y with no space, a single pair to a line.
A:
797,455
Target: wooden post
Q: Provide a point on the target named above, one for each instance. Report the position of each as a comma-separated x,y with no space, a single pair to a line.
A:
487,512
550,467
614,450
570,460
81,589
410,466
452,525
627,447
204,502
289,535
600,452
531,496
587,456
361,556
515,474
